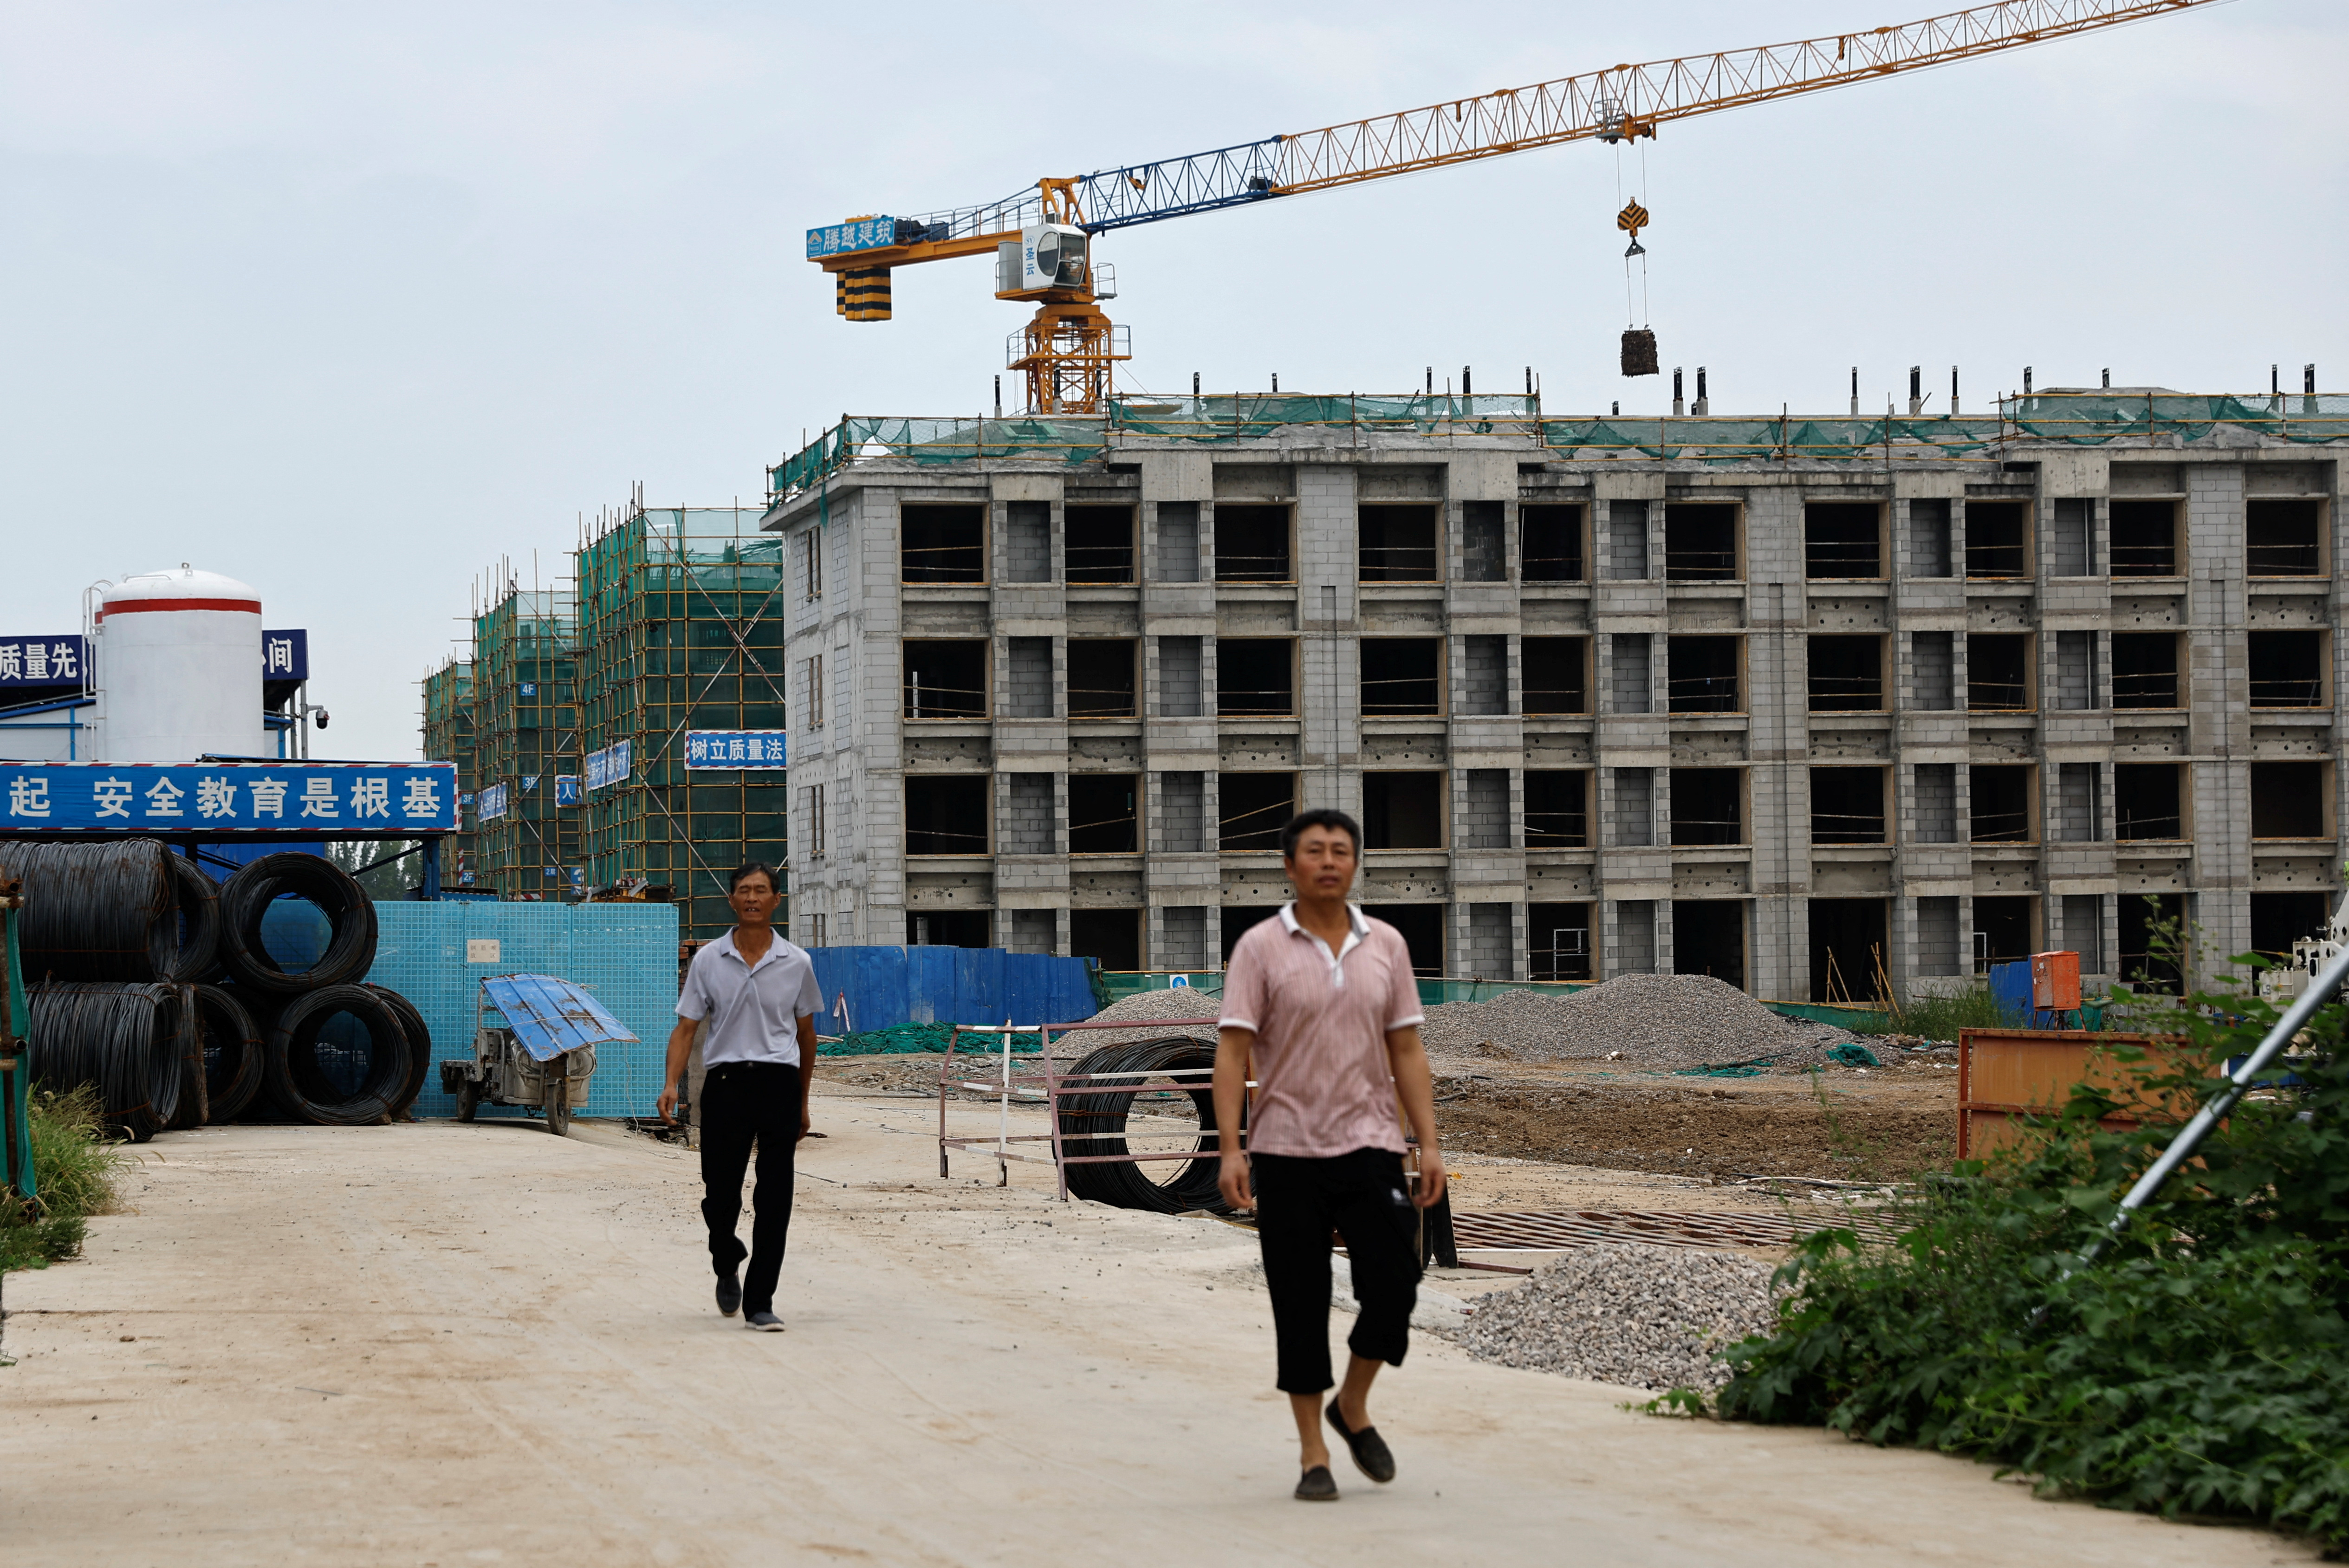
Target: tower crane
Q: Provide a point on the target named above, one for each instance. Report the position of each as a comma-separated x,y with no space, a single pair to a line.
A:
1042,238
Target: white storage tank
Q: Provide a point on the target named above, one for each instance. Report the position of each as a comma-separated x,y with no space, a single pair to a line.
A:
179,665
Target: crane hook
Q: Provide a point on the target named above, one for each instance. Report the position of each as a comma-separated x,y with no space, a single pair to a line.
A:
1632,220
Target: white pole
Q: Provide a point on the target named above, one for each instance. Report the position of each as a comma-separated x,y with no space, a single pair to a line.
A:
1003,1114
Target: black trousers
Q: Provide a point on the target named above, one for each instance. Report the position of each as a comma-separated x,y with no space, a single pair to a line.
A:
1365,1198
745,1104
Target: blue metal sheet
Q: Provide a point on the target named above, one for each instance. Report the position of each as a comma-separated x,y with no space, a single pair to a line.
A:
550,1016
887,985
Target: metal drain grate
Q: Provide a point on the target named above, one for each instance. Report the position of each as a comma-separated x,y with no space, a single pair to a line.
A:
1559,1230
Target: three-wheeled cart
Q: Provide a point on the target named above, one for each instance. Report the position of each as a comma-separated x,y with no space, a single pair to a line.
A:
539,1053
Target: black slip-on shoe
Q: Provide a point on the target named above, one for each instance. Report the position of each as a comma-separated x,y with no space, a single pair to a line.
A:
730,1296
765,1322
1370,1449
1317,1485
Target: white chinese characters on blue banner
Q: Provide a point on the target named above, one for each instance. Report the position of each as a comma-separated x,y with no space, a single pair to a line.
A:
734,748
861,234
228,797
59,661
609,765
285,656
494,802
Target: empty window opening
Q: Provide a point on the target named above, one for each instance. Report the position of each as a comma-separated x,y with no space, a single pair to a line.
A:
1937,802
943,545
2145,798
2079,803
2287,799
1998,670
1031,695
2280,918
2284,538
1483,541
1403,810
1847,943
2072,551
1028,540
1252,810
1484,821
1029,826
1938,951
1484,684
1700,543
1702,675
1549,543
1100,547
2287,669
1626,541
1996,539
1558,940
2002,931
1847,805
1252,543
1635,937
1708,805
2002,804
1846,674
1178,541
812,561
1421,925
2076,670
1556,673
2153,939
1558,809
1101,678
1397,543
1843,538
1928,538
1633,674
1238,920
1255,676
1935,657
1635,807
2144,538
1401,676
947,928
1182,812
2083,915
1178,678
1104,817
1709,938
945,680
1110,937
2144,669
947,813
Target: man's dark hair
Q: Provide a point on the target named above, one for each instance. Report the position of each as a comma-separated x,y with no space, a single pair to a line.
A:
753,869
1322,817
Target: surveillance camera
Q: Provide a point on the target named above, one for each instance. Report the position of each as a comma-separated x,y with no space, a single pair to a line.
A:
322,719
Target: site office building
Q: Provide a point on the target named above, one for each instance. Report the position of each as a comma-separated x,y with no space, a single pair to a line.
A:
1780,720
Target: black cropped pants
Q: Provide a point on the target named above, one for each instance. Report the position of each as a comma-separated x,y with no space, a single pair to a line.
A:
1365,1198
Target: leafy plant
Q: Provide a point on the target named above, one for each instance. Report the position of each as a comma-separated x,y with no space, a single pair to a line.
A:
75,1168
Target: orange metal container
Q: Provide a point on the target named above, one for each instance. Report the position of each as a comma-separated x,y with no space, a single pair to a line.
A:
2005,1075
2055,982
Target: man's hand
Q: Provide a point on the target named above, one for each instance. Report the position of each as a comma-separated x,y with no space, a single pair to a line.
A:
1234,1182
1431,1179
668,1105
806,1121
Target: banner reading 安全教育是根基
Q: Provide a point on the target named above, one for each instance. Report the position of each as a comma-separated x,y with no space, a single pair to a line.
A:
305,799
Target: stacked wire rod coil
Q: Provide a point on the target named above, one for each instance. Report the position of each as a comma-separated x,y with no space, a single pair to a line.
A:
1094,1123
131,1040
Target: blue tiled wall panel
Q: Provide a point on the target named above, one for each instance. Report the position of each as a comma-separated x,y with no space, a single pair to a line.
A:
889,985
624,953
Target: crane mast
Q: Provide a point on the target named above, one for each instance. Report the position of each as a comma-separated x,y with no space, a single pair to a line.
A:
1068,350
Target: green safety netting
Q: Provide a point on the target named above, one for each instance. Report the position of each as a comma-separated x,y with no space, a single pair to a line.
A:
2091,418
909,1039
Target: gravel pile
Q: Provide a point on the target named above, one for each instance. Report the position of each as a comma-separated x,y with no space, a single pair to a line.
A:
1645,1020
1644,1317
1180,1002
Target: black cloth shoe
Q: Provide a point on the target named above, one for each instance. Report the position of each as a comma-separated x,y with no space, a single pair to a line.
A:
1370,1450
765,1322
730,1294
1317,1485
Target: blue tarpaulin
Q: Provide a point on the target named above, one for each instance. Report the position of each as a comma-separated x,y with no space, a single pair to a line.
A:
887,985
550,1016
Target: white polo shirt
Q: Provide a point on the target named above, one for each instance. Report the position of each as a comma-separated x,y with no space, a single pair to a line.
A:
753,1008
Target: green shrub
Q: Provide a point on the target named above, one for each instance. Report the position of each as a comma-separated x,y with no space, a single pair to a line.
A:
1939,1017
2199,1366
74,1168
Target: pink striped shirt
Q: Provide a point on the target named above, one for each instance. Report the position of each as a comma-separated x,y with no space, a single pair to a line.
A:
1322,1019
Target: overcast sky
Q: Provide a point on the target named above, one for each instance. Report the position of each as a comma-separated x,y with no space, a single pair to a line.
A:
346,302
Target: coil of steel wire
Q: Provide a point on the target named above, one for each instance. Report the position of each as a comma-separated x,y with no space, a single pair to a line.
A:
1094,1123
317,1073
419,1046
126,1038
346,906
233,1052
194,1108
127,910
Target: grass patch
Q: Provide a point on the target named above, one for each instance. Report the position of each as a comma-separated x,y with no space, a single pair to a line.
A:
1938,1017
75,1167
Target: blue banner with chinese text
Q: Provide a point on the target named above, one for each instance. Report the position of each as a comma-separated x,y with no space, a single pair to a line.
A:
313,798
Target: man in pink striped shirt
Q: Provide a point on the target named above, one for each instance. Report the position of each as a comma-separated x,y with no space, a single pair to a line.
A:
1322,998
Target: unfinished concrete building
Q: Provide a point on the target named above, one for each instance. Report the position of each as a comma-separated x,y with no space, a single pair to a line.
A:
1813,707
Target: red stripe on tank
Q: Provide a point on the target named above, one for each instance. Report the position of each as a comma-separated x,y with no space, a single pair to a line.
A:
251,606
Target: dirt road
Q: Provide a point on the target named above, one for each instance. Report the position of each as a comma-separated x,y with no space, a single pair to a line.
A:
443,1345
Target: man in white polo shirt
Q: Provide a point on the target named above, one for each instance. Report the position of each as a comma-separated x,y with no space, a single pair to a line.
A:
759,993
1324,1000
